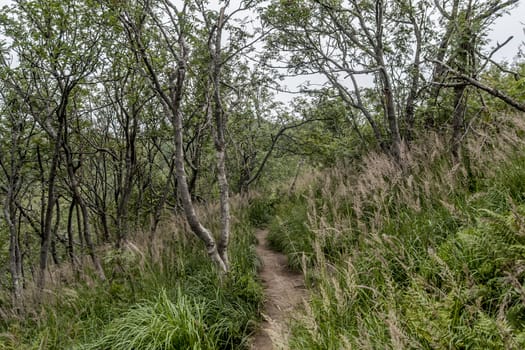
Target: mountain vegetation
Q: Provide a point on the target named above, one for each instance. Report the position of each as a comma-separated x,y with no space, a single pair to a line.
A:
143,142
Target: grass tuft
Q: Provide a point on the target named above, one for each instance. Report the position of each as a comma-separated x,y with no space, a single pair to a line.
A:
164,323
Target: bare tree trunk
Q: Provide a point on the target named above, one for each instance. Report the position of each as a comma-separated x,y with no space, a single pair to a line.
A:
390,113
79,229
28,252
220,144
47,232
100,195
172,103
75,191
129,174
70,237
54,254
89,241
386,85
15,258
12,173
189,210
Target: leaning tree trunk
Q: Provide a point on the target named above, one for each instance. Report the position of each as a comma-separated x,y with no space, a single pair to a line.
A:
180,173
172,103
177,84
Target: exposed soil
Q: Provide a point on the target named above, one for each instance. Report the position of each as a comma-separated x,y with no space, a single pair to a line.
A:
284,290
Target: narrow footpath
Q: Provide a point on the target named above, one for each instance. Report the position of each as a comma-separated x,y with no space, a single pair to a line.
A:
284,290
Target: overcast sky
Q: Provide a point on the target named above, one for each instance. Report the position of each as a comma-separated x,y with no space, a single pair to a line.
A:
505,26
510,25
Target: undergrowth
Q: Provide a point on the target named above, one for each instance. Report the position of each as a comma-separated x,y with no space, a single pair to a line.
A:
160,294
430,255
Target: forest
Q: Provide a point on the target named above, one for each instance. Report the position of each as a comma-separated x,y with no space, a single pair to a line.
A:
149,149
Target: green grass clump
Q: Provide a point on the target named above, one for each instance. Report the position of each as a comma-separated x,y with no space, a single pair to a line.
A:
164,323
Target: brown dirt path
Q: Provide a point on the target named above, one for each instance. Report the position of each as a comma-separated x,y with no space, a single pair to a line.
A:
284,290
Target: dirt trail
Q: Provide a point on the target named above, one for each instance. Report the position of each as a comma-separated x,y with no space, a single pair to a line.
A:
284,290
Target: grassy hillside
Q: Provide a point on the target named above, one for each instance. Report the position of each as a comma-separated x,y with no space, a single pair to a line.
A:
431,256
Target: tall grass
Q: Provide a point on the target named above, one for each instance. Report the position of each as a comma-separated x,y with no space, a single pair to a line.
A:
164,323
162,293
430,255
